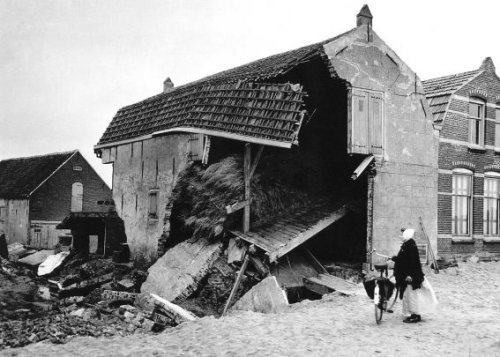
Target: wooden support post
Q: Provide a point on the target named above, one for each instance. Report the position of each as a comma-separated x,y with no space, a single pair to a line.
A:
256,160
369,220
247,168
237,283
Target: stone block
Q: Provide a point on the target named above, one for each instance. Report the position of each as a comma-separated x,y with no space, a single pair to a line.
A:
176,275
266,297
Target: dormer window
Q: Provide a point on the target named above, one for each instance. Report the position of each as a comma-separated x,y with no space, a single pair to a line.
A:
476,116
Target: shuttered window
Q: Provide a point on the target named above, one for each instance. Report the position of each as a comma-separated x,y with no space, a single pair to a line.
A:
367,125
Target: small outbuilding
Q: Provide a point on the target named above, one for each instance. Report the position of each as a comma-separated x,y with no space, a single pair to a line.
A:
37,192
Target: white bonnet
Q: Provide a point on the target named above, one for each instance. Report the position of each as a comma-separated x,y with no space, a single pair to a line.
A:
408,233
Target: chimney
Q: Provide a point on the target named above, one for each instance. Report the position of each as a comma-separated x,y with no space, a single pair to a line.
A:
364,17
487,65
168,85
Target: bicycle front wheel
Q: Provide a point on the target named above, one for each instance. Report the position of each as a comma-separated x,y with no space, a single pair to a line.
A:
378,300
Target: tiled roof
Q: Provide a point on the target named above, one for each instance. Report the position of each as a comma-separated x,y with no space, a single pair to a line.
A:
183,106
438,105
20,176
293,229
268,111
439,90
447,84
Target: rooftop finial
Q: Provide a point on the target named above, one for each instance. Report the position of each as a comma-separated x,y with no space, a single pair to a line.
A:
364,17
487,65
168,85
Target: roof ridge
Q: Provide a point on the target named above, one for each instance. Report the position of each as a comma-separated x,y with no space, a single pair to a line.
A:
451,75
44,155
214,76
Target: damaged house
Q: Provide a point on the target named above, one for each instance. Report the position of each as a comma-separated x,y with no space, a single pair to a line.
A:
37,192
321,153
466,107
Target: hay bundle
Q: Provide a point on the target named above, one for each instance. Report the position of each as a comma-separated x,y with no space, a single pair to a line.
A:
201,195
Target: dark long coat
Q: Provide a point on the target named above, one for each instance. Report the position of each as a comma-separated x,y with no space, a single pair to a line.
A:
407,263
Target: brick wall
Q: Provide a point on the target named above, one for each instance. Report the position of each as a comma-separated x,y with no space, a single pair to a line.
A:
52,201
458,154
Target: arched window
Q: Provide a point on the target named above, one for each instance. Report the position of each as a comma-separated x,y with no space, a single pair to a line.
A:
77,197
476,115
491,203
461,204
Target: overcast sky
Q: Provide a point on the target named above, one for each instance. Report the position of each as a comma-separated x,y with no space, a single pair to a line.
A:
67,66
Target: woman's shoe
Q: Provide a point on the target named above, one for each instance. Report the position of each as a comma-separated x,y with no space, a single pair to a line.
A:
412,319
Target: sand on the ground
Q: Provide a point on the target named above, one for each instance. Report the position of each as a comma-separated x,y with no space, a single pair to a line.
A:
467,324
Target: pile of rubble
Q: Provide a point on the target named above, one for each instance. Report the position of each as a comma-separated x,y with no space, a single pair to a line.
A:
86,296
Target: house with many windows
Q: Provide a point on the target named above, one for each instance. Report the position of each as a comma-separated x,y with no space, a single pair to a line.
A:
38,192
343,105
466,108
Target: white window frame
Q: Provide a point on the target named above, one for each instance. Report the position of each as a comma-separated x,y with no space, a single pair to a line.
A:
455,231
495,198
497,127
474,120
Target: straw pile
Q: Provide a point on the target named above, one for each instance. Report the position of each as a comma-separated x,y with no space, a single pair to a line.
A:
279,185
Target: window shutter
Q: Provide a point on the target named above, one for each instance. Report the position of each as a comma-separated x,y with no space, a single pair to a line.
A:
376,124
359,132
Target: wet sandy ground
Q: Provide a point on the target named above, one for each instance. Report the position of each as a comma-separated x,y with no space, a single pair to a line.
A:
467,324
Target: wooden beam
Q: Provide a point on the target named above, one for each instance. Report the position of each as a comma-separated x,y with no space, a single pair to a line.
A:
247,166
369,222
236,206
317,264
256,160
237,283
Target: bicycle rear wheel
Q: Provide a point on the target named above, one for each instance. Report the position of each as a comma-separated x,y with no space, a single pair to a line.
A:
378,300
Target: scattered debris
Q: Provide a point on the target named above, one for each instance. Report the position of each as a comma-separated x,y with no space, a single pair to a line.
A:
35,259
51,263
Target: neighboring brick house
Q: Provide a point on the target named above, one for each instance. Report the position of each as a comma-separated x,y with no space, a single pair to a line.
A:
362,100
36,193
466,107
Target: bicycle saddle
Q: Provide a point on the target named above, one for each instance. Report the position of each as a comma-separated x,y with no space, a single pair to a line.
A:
380,266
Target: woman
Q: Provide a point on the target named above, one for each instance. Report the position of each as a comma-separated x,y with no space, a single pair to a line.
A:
416,292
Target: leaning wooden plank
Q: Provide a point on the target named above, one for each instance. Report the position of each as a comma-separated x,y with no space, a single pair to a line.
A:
315,262
436,269
176,310
304,236
237,283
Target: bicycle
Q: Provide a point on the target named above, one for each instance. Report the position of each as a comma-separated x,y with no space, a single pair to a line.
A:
382,291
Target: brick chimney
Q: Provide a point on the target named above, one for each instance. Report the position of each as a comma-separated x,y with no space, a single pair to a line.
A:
168,85
364,17
487,65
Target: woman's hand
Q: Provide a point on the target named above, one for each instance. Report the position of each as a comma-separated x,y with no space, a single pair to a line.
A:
409,279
